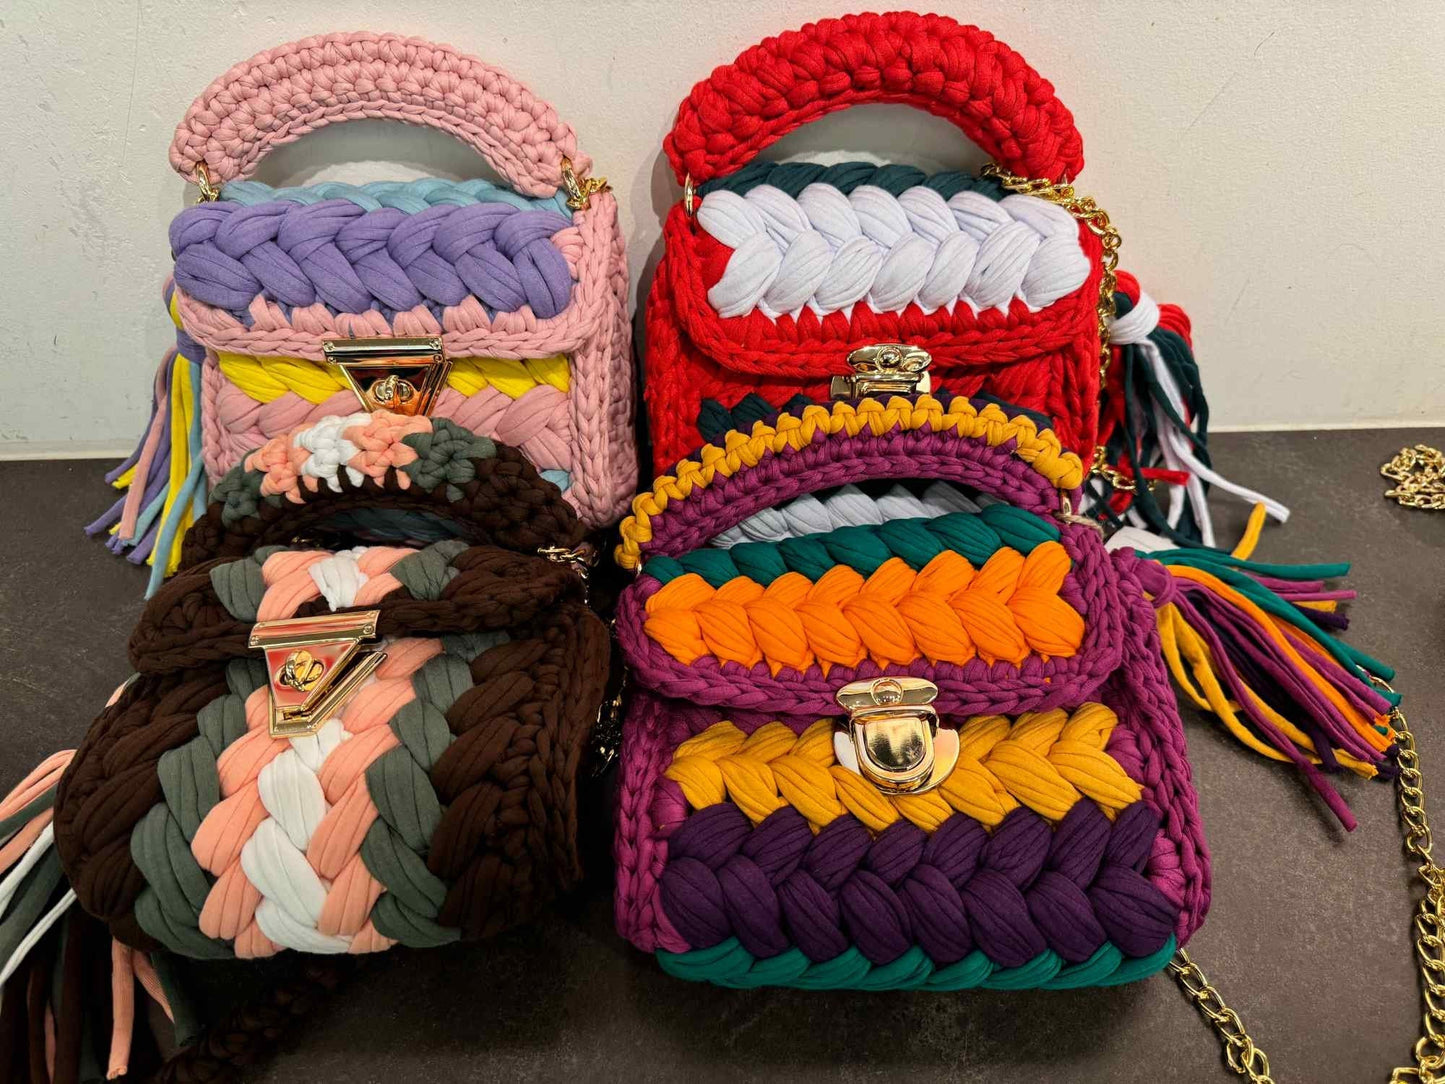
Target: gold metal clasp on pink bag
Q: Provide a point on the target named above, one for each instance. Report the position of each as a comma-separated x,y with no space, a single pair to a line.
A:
314,665
891,736
883,368
403,376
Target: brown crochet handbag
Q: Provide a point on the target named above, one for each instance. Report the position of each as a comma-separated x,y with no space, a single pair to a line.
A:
336,748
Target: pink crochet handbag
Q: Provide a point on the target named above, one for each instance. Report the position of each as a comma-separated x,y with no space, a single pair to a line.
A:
500,306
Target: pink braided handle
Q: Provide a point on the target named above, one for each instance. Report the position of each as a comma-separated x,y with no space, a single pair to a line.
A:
281,94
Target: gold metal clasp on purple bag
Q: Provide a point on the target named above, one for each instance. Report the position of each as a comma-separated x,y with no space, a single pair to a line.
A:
895,368
892,737
314,665
403,376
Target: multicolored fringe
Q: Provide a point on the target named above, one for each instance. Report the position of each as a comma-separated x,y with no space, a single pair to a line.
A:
56,1021
1247,641
164,479
1154,425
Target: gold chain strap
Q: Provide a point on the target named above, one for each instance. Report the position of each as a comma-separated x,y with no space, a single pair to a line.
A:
1240,1052
1096,219
1419,477
1091,215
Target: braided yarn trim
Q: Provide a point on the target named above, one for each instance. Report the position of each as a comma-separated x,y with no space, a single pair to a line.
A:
1044,761
280,94
846,507
338,255
900,438
525,404
409,196
948,611
892,177
729,964
489,494
957,72
1091,590
829,251
977,536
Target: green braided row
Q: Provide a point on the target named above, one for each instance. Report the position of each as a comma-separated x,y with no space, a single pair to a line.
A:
729,964
975,535
793,177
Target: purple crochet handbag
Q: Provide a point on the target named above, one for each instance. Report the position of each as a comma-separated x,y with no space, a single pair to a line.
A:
928,743
901,719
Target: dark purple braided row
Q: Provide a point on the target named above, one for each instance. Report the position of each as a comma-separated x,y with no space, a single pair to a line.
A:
1012,893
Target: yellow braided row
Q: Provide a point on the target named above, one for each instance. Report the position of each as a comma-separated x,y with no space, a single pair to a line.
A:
1045,760
1040,448
265,378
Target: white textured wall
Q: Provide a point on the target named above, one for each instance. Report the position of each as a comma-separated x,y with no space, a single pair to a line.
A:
1275,168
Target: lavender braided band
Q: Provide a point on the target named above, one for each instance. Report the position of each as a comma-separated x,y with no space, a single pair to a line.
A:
351,259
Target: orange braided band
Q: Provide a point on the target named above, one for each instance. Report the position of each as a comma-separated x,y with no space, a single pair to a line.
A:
948,611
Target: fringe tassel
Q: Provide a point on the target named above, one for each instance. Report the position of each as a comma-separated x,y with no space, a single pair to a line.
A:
1154,425
164,478
55,1020
1248,642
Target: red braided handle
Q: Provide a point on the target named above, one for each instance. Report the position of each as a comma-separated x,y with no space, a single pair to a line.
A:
960,73
279,95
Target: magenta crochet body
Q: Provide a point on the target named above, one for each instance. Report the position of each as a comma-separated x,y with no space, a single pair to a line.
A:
748,855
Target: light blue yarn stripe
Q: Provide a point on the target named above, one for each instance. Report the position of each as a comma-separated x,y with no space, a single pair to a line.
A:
408,196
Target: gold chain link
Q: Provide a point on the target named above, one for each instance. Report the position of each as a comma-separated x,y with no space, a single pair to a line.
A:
1419,477
1096,219
1241,1053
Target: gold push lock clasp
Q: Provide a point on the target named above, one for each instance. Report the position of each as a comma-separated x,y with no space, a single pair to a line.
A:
884,367
892,737
403,376
314,665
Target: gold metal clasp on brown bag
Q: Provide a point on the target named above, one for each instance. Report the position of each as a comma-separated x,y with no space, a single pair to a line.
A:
891,736
884,368
314,665
403,376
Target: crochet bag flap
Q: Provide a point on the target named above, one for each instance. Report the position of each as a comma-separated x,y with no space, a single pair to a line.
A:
772,274
910,740
501,306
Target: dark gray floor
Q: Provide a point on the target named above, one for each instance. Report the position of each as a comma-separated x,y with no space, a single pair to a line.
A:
1307,936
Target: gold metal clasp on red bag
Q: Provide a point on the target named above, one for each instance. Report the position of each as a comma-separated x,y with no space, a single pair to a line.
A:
314,665
895,368
891,736
403,376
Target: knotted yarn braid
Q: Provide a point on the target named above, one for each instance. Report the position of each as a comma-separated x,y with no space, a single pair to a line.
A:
1011,894
349,259
948,611
977,536
893,177
525,404
848,506
1047,761
829,251
487,493
845,442
409,196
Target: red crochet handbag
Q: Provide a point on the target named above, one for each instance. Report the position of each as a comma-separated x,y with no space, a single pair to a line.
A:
772,275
